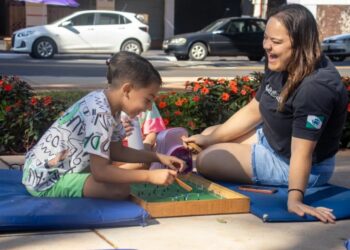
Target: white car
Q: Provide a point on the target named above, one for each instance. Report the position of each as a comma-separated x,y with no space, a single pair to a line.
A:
337,47
91,31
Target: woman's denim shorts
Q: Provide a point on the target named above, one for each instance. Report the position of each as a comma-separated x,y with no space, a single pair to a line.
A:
269,168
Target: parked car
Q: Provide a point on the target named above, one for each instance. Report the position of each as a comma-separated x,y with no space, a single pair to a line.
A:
337,47
234,36
91,31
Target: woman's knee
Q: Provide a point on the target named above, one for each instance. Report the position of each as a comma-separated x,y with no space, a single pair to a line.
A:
201,161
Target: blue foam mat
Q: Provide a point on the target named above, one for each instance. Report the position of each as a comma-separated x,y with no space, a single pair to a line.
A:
19,211
273,207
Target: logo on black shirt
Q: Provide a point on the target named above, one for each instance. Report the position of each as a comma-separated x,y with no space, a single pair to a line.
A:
273,93
314,122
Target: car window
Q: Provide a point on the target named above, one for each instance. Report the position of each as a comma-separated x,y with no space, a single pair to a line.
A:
234,27
257,26
111,19
82,20
214,26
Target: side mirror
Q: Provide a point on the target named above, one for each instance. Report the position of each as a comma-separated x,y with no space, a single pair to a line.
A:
66,23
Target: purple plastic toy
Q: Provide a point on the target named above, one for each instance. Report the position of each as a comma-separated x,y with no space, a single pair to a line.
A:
169,142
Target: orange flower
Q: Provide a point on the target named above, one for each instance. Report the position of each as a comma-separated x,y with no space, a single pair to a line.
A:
243,92
225,97
205,91
233,86
47,100
196,98
7,87
34,101
221,80
247,88
245,78
8,108
191,124
162,105
177,112
179,102
166,121
184,100
196,87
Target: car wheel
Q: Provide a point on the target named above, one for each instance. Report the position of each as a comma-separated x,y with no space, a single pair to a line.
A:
337,58
132,46
43,48
255,58
198,52
181,58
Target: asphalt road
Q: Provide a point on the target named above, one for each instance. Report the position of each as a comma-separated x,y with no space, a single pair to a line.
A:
89,70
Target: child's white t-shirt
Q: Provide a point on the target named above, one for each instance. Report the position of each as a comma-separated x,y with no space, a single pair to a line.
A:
86,128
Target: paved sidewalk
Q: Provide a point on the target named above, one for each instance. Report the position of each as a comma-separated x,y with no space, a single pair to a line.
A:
236,231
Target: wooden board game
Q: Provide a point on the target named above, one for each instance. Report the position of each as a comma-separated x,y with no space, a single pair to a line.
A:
205,198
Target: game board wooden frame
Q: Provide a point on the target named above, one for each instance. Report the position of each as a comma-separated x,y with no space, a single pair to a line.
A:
232,202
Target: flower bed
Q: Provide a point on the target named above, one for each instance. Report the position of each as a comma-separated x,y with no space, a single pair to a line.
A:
207,101
25,115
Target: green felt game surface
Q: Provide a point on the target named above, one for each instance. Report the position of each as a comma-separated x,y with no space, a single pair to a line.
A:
154,193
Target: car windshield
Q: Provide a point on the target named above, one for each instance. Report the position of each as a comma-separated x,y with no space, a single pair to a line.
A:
214,26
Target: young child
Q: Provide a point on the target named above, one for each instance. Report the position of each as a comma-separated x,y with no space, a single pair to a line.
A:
73,158
151,123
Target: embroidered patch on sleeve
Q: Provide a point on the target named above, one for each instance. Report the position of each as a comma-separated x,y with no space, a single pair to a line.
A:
314,122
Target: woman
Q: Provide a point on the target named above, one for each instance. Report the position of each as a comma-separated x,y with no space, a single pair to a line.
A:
289,134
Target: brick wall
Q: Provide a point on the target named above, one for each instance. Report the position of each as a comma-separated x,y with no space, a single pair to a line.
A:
333,19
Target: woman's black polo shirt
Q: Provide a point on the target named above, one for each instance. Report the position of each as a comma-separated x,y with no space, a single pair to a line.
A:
316,111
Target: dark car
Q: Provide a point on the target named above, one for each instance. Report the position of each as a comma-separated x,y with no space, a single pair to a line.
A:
234,36
337,47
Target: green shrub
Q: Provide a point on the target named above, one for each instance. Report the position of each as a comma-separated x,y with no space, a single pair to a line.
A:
24,117
207,101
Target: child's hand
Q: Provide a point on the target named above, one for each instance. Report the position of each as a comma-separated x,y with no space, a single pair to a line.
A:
127,124
162,176
150,139
172,162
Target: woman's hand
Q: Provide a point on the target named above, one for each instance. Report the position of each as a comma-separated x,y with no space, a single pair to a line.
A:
199,139
322,213
162,176
172,162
